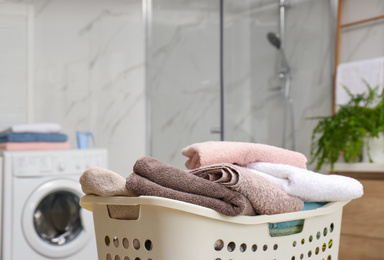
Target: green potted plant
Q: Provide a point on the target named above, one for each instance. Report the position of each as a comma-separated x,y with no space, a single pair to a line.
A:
346,132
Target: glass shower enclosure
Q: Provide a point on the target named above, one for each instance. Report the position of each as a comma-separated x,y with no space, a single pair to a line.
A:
214,73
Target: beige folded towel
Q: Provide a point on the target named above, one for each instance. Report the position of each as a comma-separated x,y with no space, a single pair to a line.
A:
104,182
214,152
263,195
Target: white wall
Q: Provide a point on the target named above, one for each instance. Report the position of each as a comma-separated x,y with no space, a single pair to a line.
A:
88,73
16,49
183,76
185,61
362,41
89,66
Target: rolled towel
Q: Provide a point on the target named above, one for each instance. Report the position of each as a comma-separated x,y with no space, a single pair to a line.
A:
264,196
103,182
214,152
308,185
155,178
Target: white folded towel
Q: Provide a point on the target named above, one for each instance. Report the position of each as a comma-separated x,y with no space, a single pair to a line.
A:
351,75
34,128
308,185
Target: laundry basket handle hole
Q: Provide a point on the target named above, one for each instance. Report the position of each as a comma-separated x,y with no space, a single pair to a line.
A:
124,212
287,228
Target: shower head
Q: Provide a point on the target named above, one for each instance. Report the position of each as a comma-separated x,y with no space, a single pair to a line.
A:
274,39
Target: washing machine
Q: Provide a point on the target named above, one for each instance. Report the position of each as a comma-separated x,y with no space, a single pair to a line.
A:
40,214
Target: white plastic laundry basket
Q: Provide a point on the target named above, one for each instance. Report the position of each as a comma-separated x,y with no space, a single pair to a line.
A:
164,229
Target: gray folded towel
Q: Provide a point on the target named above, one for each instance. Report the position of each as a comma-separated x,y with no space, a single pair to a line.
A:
265,197
156,178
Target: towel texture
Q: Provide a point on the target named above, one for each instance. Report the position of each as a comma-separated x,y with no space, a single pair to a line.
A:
28,146
103,182
156,178
264,197
308,185
34,128
214,152
32,137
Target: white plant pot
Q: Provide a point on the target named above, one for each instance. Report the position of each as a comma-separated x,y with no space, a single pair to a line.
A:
376,150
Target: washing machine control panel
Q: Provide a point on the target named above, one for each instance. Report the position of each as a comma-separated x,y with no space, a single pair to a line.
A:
27,164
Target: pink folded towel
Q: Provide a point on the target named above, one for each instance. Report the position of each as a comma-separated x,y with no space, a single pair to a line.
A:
13,146
155,178
214,152
264,196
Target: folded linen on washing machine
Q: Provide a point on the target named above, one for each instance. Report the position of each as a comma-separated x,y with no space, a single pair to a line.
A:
34,128
29,146
33,137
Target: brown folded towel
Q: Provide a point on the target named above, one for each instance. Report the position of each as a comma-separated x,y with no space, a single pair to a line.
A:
103,182
263,195
156,178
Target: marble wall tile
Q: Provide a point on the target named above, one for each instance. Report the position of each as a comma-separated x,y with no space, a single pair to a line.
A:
15,63
355,10
362,41
183,76
89,65
89,71
254,111
309,50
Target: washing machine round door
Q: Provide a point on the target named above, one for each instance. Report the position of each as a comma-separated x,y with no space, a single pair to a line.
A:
54,224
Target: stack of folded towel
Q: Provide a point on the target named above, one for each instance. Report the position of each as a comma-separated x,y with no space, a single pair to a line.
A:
233,178
38,136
